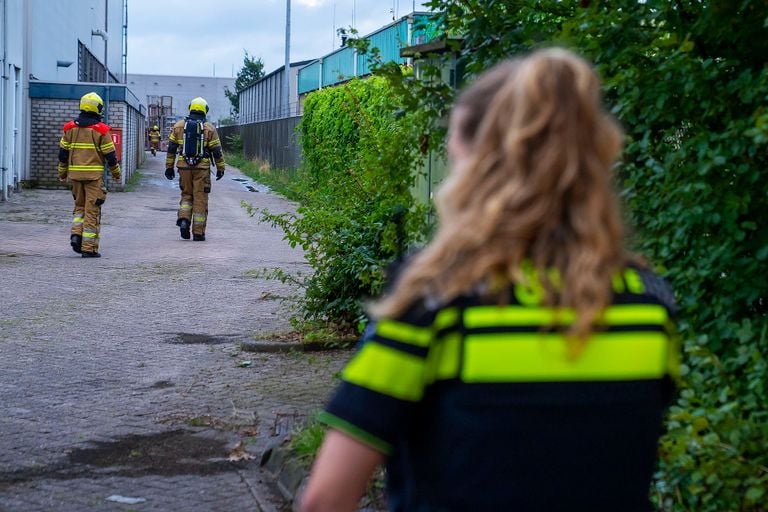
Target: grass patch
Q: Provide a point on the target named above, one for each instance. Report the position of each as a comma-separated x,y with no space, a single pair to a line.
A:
285,182
133,181
305,444
306,440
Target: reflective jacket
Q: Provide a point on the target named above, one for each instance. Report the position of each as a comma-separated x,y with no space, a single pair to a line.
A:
479,406
84,147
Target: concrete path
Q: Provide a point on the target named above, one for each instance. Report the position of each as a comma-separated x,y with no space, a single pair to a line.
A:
122,377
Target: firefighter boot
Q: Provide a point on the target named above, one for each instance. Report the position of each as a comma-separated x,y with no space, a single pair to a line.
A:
183,228
76,241
93,254
198,238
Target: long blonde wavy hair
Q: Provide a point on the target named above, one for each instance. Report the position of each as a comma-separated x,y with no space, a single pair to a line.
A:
537,189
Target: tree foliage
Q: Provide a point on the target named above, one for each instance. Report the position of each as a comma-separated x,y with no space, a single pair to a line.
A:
689,83
251,72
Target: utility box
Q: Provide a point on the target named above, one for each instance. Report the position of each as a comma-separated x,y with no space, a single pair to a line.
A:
117,140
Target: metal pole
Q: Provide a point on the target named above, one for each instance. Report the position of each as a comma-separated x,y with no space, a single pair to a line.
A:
287,70
106,44
3,117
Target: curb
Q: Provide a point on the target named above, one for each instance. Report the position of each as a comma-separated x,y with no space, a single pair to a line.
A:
278,346
289,474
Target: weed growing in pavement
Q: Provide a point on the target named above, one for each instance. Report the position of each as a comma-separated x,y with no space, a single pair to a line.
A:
306,440
133,181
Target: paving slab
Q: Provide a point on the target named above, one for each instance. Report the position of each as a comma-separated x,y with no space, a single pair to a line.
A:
124,375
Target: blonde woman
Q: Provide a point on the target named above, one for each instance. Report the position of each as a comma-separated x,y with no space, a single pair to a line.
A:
522,361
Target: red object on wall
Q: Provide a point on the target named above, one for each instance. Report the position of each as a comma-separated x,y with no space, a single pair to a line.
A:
117,140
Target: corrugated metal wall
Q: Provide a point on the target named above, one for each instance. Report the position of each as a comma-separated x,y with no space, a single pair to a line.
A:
340,65
388,41
309,77
271,141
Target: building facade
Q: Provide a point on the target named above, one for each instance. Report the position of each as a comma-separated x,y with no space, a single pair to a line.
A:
13,130
167,97
85,35
43,41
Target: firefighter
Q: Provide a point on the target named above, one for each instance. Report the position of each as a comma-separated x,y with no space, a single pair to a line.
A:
195,141
154,139
83,149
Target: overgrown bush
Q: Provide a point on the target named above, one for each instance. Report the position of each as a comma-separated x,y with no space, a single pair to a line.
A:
356,212
689,82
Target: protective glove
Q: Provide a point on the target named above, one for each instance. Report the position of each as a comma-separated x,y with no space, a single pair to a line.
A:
115,173
169,173
219,174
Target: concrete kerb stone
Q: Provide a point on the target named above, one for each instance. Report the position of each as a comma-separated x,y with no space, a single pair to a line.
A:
279,346
288,471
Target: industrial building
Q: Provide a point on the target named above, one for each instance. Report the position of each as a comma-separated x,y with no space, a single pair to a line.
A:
167,97
43,78
263,100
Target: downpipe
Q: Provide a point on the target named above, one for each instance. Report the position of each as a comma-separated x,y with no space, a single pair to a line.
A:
3,114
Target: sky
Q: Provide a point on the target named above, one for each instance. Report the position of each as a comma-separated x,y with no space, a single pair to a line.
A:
208,37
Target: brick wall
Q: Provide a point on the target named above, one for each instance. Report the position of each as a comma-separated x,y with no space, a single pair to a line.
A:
48,118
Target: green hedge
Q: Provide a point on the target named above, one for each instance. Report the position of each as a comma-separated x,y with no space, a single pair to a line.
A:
358,156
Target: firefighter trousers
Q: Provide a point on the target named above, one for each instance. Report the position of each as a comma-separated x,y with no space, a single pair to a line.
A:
89,195
195,185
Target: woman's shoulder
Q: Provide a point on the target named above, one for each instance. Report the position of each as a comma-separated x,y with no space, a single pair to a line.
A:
642,280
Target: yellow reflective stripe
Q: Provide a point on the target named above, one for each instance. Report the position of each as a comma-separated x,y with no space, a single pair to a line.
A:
404,333
635,314
387,371
86,167
443,358
82,145
446,318
355,432
64,144
108,147
88,234
511,316
634,281
506,316
544,358
213,142
173,138
78,220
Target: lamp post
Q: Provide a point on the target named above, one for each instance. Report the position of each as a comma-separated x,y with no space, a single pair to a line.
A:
287,69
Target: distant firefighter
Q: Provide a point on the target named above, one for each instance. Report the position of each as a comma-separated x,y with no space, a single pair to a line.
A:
83,149
154,139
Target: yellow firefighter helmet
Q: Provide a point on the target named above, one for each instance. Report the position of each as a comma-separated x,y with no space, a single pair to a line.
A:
198,105
92,102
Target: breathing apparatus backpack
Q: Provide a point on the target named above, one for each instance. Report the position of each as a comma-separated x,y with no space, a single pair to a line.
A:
193,146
